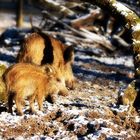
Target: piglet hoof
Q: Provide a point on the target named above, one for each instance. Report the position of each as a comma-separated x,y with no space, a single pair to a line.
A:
63,93
20,113
71,85
32,112
53,98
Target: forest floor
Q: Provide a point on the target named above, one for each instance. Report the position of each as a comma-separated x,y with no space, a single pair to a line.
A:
89,112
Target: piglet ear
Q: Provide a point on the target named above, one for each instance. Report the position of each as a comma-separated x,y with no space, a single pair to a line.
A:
68,54
48,69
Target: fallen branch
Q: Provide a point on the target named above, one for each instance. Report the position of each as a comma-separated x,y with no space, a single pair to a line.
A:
98,39
83,33
56,7
110,25
86,20
74,5
67,35
121,41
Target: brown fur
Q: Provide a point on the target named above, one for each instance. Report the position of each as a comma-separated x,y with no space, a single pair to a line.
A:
42,49
32,45
33,82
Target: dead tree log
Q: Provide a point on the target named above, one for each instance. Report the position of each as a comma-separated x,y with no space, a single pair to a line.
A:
133,23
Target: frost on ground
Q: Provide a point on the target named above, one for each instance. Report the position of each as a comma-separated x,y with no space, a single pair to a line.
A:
88,112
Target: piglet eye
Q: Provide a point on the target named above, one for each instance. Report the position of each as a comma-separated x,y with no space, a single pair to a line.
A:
58,80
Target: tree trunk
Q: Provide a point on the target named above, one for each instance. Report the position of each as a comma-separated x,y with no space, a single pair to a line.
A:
19,13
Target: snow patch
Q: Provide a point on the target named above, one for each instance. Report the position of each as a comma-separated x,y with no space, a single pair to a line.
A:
136,27
122,8
9,119
122,108
137,119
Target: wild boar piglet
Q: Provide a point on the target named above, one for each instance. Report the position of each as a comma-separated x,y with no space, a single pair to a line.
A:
26,81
